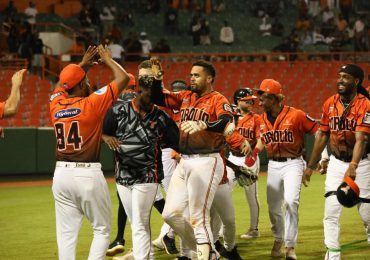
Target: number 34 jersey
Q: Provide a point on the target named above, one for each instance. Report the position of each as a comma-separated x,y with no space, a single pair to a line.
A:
78,123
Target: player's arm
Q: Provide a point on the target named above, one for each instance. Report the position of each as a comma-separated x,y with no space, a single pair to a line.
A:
321,141
13,101
120,75
110,125
237,142
358,151
171,134
224,124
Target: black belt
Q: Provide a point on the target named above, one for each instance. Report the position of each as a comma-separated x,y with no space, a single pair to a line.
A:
347,158
282,159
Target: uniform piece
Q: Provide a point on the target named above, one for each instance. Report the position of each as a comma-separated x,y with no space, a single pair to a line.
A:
79,186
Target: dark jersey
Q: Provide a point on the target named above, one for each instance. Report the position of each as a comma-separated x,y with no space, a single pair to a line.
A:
139,158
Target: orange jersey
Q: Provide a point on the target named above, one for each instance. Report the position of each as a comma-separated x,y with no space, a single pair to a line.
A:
342,132
78,123
285,139
173,113
2,105
249,127
207,108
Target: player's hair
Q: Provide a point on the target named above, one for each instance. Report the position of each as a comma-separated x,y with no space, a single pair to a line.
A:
146,64
208,67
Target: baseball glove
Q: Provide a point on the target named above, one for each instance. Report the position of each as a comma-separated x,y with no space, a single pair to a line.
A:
244,176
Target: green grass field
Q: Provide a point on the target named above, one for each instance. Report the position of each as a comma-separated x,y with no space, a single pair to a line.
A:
27,225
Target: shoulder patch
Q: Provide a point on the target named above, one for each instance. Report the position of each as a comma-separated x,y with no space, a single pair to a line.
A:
101,91
55,95
228,108
366,119
310,118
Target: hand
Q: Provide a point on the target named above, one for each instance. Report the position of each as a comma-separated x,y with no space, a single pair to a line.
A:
112,142
18,77
351,171
323,166
104,53
245,148
306,177
251,160
156,68
88,58
192,127
1,132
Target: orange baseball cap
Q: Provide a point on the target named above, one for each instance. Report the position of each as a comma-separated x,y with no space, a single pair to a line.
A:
270,86
132,81
71,75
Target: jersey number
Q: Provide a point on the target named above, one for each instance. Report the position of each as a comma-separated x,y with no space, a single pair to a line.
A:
73,137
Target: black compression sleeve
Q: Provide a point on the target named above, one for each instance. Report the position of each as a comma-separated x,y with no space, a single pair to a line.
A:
110,123
219,125
157,95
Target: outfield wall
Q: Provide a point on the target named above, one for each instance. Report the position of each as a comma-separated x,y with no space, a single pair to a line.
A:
32,151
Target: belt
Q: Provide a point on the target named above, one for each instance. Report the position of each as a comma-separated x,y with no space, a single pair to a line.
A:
77,165
282,159
198,155
348,158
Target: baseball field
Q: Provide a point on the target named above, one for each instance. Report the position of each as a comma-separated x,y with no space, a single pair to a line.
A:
27,224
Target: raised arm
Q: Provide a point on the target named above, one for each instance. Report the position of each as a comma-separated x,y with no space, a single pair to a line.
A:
120,75
13,101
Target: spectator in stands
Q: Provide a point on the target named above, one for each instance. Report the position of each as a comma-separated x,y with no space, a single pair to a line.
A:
227,34
126,17
341,24
317,37
205,32
117,51
313,7
327,14
132,45
13,38
84,16
161,46
302,24
219,6
265,26
115,34
195,27
360,35
328,28
25,46
302,8
277,28
345,8
171,21
31,13
107,17
38,55
146,45
94,15
10,11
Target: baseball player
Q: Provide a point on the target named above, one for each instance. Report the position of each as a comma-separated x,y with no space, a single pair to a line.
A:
345,122
248,125
282,133
140,127
79,186
9,107
206,117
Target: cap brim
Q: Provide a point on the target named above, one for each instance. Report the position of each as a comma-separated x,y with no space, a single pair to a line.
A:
248,98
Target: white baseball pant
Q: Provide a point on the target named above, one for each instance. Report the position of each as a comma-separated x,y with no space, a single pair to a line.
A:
80,189
250,192
333,209
284,185
223,207
193,187
138,201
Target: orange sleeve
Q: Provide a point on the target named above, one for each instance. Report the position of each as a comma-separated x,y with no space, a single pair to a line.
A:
308,124
257,126
363,121
2,105
222,106
324,122
235,140
103,98
174,99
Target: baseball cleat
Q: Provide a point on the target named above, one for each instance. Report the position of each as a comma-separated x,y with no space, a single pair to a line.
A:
128,256
169,245
232,255
158,243
251,233
276,249
116,247
290,254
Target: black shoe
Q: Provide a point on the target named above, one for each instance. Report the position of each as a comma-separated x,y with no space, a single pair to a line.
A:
116,247
183,258
169,245
232,255
218,245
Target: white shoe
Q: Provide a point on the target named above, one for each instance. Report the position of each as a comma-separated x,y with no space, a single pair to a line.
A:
251,233
128,256
276,249
290,254
158,243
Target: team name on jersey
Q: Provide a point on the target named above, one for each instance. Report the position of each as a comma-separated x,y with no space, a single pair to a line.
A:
278,136
66,113
347,124
247,133
191,114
